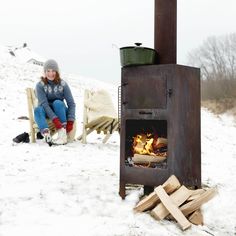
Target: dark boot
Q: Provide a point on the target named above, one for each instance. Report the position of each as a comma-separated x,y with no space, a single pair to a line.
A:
24,138
39,135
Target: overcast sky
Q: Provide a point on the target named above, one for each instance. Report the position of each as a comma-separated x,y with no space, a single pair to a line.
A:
84,36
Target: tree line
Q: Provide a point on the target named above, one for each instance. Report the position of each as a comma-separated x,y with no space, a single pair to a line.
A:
217,59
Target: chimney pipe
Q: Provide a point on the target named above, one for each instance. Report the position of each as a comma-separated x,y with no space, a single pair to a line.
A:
165,30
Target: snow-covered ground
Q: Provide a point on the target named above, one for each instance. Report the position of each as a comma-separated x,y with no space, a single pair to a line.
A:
73,189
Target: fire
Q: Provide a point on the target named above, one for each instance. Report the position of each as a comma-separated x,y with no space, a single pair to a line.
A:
148,144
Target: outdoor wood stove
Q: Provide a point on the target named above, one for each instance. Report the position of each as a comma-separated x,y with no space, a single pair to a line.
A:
161,101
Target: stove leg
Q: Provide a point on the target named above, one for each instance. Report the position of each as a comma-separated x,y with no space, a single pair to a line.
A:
122,190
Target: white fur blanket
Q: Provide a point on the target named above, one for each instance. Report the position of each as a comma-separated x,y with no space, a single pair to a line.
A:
100,104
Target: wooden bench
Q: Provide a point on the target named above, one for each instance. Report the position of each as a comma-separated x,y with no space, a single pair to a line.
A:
107,125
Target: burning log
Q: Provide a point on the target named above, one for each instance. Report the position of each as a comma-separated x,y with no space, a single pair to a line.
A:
148,150
159,143
147,144
145,159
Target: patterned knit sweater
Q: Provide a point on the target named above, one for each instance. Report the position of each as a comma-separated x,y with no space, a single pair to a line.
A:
48,93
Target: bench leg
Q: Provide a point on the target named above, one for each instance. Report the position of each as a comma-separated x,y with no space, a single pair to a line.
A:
106,138
33,135
84,136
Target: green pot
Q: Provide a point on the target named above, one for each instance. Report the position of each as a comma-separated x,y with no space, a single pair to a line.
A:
137,55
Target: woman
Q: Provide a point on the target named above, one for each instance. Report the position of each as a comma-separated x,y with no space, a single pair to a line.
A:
51,92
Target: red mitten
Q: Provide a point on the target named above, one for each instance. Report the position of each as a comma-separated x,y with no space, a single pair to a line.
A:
69,125
57,123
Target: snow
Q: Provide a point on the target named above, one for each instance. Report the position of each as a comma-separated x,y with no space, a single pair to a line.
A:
73,189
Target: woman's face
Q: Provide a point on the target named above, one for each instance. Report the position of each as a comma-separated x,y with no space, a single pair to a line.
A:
50,74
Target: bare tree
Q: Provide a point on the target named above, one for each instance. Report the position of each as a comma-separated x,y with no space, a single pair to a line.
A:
217,59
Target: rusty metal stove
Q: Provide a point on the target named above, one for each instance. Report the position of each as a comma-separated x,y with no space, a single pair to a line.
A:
164,99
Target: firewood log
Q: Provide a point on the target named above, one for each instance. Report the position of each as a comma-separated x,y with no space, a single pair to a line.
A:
196,217
194,205
160,142
178,197
170,185
138,158
172,208
195,194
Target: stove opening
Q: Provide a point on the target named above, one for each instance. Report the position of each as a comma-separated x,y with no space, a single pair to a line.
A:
146,143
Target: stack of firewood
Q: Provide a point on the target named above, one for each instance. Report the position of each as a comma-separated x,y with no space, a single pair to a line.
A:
173,201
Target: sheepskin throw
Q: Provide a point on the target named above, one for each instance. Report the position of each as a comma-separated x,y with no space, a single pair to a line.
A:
100,104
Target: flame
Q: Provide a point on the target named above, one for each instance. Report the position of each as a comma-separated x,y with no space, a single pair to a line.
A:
147,144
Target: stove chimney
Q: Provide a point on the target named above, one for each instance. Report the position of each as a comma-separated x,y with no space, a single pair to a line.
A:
165,34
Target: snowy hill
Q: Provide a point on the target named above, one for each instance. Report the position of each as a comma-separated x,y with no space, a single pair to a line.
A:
73,189
16,75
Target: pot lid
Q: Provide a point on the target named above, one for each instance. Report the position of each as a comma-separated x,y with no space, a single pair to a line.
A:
137,46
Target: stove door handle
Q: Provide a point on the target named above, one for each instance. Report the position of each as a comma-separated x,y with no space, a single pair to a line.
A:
170,92
145,113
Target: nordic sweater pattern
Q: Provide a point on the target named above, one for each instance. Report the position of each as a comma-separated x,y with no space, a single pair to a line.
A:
48,93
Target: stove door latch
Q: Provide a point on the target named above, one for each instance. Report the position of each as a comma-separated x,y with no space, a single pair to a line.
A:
170,92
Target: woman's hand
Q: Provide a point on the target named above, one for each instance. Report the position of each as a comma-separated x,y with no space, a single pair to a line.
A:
57,123
69,125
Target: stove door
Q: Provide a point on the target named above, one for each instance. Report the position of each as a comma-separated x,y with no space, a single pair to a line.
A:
144,88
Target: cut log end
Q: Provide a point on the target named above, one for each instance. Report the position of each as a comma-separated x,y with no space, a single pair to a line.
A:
196,218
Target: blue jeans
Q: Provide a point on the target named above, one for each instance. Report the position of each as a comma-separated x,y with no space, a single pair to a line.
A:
59,109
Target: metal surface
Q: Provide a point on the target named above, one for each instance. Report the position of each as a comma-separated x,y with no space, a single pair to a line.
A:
144,89
165,28
178,105
119,105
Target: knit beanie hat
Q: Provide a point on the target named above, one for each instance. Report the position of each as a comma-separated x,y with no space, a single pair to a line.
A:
50,64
